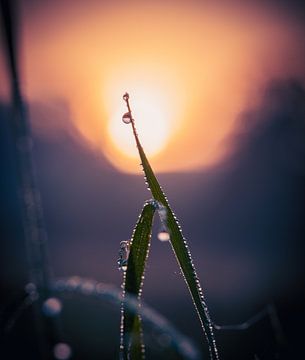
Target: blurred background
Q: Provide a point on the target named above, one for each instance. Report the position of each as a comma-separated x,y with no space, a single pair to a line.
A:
218,96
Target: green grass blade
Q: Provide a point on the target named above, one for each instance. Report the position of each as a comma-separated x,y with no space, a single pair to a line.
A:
179,246
136,342
132,339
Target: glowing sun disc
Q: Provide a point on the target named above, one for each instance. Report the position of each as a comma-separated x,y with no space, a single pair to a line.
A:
152,119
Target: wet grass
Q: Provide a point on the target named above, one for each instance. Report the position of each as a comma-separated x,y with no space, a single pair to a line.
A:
132,345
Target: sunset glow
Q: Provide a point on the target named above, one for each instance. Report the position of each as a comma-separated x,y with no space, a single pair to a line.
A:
153,127
190,69
154,108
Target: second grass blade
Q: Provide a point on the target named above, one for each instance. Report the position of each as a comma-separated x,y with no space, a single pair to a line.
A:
132,342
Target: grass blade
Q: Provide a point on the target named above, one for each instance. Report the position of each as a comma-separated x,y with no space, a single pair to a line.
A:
132,345
179,245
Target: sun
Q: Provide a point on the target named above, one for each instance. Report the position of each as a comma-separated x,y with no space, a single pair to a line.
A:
155,104
152,117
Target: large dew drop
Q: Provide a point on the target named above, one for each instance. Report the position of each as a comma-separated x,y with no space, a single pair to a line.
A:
126,118
163,235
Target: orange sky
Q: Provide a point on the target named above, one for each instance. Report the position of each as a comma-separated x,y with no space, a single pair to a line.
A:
199,64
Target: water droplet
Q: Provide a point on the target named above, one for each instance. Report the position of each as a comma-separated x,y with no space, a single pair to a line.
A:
123,265
163,235
127,118
123,255
62,351
52,307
